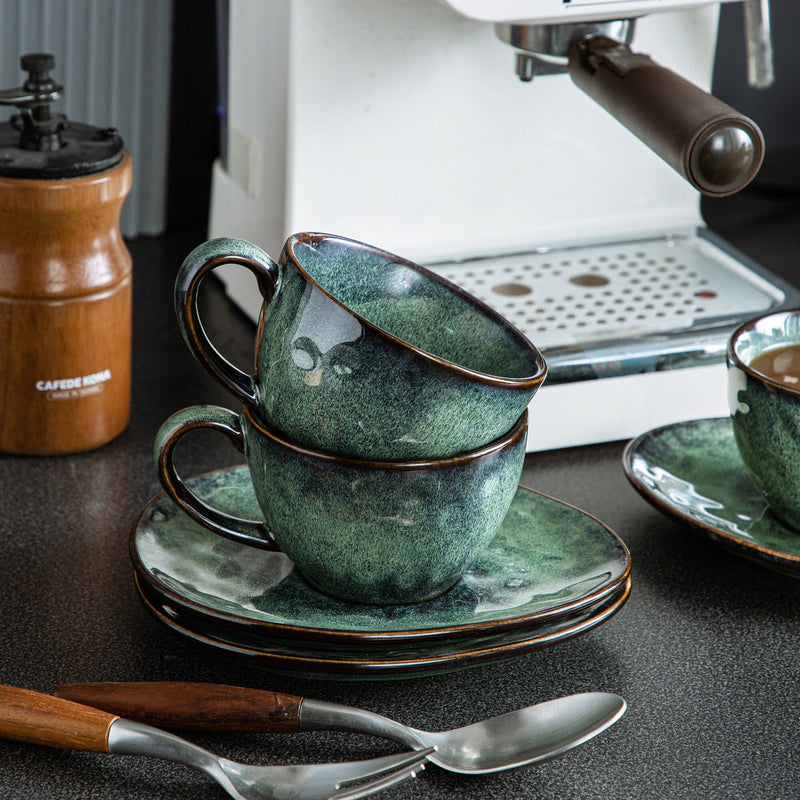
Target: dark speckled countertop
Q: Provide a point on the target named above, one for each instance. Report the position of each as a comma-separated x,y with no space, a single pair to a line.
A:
706,651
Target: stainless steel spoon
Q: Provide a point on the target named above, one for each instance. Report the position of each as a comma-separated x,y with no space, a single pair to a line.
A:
512,740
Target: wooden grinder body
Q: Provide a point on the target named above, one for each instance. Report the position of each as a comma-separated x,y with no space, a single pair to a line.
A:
65,312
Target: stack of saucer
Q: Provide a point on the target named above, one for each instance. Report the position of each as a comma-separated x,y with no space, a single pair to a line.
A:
551,573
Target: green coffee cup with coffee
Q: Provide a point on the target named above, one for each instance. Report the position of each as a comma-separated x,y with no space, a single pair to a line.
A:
764,401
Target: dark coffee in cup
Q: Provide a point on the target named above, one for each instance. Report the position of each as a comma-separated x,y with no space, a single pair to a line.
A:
781,364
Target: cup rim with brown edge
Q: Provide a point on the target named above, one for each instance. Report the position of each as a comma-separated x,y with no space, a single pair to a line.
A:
526,382
504,442
734,358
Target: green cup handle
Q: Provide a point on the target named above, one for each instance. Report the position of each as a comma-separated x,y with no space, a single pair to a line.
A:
183,422
200,262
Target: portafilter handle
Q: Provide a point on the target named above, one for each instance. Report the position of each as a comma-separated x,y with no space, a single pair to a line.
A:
717,149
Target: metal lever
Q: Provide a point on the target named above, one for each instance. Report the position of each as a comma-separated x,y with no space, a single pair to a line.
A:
717,149
39,128
39,88
758,44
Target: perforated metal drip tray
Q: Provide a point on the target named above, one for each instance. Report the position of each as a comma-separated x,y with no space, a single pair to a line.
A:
628,307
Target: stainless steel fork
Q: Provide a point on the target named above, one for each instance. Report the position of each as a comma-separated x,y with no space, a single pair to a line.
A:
29,716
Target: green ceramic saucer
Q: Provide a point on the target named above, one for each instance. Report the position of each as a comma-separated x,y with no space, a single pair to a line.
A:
693,471
405,660
389,651
548,560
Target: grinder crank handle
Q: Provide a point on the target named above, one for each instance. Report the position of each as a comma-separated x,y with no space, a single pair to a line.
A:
35,718
714,147
181,705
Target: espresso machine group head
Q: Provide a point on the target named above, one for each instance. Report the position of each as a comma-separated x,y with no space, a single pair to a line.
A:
718,150
403,125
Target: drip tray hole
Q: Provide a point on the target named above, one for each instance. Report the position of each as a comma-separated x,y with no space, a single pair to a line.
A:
589,280
512,289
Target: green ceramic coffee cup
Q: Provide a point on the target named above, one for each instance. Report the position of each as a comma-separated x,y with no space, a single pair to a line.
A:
765,412
365,354
363,531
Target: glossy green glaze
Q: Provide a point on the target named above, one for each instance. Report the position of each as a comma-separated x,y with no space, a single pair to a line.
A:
766,413
548,559
693,471
373,532
364,354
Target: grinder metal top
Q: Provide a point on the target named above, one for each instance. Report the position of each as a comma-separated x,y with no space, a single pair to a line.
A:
37,143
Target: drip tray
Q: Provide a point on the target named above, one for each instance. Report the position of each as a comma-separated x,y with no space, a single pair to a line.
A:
623,308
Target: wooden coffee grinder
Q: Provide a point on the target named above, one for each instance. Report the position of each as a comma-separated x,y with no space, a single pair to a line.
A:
65,276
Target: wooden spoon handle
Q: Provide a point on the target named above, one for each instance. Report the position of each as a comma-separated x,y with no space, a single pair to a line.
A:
27,716
192,706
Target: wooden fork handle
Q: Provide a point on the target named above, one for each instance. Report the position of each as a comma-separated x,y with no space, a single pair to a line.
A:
36,718
192,706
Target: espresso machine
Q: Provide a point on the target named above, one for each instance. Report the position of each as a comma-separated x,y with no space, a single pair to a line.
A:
547,155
